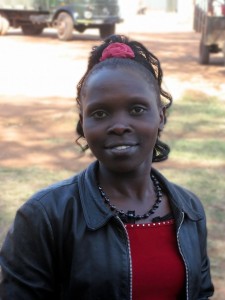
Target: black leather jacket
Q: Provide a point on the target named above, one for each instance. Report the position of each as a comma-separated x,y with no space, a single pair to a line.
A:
64,244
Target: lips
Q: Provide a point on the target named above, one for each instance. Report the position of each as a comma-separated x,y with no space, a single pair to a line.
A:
122,149
121,146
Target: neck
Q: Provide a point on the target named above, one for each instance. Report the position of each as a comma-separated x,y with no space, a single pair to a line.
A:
134,184
130,216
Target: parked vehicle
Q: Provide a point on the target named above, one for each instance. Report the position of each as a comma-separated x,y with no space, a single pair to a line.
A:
35,15
209,20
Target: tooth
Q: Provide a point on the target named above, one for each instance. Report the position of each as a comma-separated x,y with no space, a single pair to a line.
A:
122,147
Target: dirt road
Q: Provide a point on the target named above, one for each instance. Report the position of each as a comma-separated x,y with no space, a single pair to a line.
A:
38,77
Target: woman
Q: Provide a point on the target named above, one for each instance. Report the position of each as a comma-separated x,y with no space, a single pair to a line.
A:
119,229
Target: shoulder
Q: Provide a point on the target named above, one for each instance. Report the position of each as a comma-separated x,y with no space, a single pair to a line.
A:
182,198
58,191
51,201
188,197
59,188
61,197
174,188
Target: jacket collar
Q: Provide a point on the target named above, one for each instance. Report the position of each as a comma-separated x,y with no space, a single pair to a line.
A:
97,215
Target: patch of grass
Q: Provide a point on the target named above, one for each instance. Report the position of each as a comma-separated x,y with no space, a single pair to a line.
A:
196,127
208,150
196,114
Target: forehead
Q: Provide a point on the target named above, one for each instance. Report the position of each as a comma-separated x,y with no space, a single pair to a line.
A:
117,88
120,77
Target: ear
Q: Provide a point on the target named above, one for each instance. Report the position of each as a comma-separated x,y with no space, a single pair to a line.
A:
162,115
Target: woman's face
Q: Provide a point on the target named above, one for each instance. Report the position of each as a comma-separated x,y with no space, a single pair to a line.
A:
121,118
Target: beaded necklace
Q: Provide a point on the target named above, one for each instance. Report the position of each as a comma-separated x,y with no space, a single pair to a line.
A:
130,216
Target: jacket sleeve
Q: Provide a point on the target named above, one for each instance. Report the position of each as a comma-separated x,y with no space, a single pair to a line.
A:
27,257
193,242
207,288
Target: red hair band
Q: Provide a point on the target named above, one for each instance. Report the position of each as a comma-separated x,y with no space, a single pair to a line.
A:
117,50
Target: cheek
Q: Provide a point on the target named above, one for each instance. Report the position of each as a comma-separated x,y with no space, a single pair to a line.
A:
151,122
91,131
150,132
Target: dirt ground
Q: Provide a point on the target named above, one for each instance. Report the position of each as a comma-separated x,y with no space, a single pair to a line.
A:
38,77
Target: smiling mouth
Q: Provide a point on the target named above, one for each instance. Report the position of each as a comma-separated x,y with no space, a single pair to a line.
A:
122,150
123,147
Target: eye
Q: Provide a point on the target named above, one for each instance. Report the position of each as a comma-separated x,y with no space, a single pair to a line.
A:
137,110
99,114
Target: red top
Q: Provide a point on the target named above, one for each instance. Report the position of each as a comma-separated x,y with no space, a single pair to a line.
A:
158,271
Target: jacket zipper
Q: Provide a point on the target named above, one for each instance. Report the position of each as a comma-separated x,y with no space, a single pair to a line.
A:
185,264
129,250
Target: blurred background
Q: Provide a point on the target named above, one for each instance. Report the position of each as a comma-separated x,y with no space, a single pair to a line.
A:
40,66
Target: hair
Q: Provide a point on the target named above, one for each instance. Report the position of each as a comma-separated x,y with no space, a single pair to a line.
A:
147,63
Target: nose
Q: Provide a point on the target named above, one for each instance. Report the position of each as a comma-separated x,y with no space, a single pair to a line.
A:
119,126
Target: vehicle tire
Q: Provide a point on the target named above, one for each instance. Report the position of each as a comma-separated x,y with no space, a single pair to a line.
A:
32,29
65,26
106,30
4,24
203,54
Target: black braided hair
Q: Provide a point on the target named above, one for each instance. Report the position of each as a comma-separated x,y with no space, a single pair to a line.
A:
147,62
